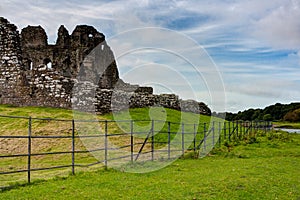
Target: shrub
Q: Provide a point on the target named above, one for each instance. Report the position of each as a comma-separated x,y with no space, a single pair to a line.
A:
292,116
278,135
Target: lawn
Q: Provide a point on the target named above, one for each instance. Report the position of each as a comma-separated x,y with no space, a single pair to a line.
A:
266,169
19,127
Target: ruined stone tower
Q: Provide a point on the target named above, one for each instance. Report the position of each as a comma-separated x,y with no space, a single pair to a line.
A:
35,73
32,72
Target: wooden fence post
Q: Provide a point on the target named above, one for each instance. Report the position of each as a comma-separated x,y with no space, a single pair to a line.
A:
73,147
131,140
195,135
182,138
237,129
169,140
152,140
213,133
229,134
224,128
204,139
105,144
220,133
29,150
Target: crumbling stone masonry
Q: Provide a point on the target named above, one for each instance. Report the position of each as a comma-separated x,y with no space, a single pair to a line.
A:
35,73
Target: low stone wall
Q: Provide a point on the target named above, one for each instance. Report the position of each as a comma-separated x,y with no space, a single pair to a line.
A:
106,100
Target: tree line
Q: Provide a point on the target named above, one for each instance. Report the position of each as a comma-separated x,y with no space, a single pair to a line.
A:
278,112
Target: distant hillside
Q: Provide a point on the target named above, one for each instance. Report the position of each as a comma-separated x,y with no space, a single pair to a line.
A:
286,112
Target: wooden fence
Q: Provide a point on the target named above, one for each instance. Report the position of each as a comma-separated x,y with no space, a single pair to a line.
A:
130,141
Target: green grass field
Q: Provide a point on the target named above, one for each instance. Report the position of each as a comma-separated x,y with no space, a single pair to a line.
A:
268,169
265,168
19,127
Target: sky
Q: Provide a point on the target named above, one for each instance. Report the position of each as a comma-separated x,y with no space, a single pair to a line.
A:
232,55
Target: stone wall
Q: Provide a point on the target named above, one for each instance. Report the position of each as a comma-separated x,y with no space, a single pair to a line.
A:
114,100
11,68
34,73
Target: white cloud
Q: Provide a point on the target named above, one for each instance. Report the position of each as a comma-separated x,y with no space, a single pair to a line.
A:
235,33
281,27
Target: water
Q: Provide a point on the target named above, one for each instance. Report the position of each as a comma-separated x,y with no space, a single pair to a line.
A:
290,130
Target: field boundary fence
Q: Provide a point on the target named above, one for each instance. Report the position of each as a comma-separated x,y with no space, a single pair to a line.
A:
120,140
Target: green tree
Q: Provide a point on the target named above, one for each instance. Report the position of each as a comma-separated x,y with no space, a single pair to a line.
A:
256,114
267,117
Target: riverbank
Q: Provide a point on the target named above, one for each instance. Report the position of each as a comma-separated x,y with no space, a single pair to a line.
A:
287,125
289,130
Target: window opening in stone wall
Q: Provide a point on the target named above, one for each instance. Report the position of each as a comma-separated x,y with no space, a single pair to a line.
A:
30,65
91,35
102,47
48,63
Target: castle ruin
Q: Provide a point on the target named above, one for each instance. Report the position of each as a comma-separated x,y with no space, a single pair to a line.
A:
35,73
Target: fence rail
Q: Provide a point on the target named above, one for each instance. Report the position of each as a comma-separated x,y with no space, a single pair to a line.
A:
130,141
